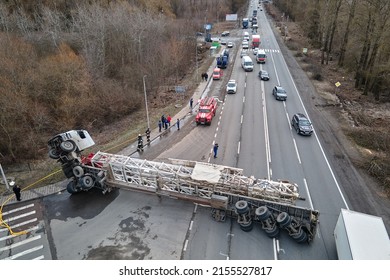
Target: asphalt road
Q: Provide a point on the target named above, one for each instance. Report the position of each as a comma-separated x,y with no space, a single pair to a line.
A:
253,132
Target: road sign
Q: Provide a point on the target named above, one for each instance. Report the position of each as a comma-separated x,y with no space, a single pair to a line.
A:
337,84
180,89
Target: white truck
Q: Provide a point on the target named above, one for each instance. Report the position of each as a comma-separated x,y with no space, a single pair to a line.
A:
361,236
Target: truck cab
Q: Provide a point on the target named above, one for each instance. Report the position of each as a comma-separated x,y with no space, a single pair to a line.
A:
207,110
69,142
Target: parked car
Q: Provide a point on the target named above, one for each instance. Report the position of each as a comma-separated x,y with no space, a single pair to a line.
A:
279,93
230,44
217,73
263,75
231,86
223,42
301,124
225,33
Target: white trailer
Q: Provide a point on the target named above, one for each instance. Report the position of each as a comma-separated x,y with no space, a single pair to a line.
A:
361,236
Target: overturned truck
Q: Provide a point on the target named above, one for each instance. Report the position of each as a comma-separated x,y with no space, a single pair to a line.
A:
227,192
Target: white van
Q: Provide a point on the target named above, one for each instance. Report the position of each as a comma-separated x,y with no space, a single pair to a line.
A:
247,63
261,57
246,36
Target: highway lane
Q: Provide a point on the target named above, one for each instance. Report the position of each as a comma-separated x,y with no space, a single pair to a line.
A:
312,166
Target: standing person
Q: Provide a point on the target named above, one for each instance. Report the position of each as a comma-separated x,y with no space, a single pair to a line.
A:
206,76
163,119
215,149
16,190
178,124
191,102
169,120
159,125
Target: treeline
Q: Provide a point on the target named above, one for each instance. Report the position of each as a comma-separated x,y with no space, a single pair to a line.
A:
71,64
354,32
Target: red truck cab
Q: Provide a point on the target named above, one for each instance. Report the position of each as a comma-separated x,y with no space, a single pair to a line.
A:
207,110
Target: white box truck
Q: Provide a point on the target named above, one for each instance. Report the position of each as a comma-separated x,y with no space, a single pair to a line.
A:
361,236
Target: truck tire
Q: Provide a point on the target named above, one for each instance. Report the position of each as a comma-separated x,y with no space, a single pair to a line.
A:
242,207
247,227
300,237
262,213
53,154
71,188
283,219
274,232
78,171
68,146
87,181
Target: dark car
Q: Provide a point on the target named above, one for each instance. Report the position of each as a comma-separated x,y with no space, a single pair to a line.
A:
301,124
263,75
279,93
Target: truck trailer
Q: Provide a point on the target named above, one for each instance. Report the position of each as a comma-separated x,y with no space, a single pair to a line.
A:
267,204
361,236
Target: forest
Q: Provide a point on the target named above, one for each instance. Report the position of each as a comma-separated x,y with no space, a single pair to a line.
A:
68,64
356,33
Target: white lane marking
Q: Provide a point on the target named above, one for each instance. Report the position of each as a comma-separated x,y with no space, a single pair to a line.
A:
276,246
242,118
192,222
266,135
17,209
296,150
20,224
12,236
195,208
308,193
238,149
39,258
20,216
185,245
20,243
25,253
243,99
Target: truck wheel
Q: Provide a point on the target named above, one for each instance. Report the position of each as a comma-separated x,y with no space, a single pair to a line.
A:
242,207
53,154
274,232
283,219
68,146
78,171
300,237
262,213
71,188
247,227
87,181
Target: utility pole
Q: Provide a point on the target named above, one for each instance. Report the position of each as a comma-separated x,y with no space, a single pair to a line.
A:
146,101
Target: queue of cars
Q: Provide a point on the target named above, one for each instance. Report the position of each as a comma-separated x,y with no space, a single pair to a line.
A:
299,122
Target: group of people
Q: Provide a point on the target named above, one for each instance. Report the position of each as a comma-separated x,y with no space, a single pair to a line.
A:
205,77
165,122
